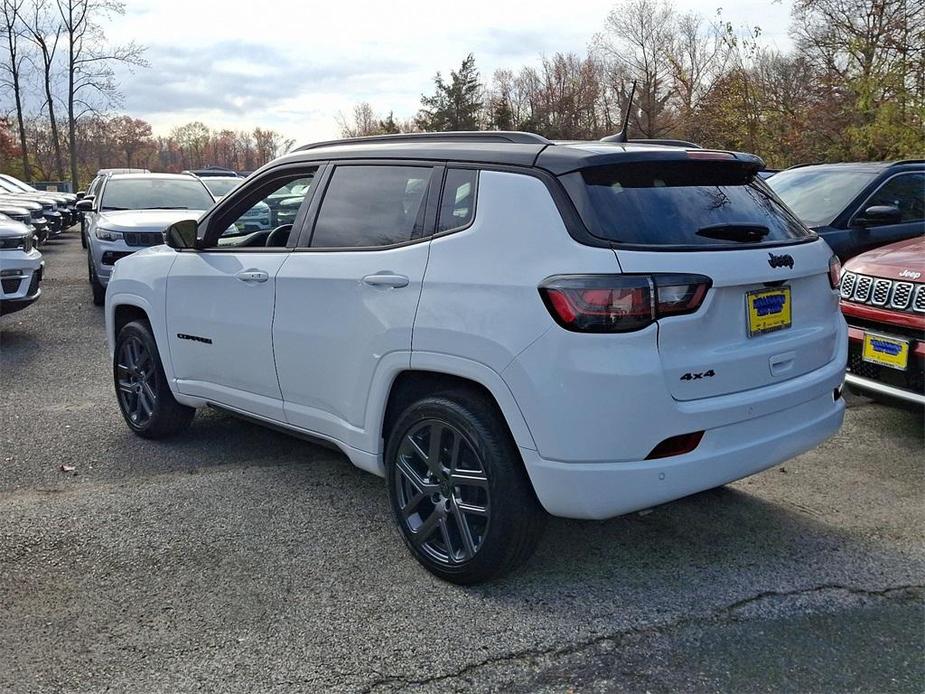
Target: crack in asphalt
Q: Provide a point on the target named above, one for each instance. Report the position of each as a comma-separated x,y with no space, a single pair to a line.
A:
904,593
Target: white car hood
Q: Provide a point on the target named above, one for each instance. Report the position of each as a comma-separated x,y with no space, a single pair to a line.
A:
144,220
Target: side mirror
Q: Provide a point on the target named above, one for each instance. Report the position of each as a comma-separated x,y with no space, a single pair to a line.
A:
81,194
182,234
290,204
85,205
877,215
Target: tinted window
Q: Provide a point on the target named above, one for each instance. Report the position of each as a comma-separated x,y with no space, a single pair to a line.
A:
679,203
155,193
372,206
907,192
818,194
458,202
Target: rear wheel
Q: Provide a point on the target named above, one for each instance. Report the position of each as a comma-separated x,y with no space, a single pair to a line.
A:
458,489
147,404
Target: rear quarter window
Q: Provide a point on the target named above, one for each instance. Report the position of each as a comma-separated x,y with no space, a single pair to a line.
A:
681,204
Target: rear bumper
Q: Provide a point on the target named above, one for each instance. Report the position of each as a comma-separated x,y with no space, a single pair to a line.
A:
728,453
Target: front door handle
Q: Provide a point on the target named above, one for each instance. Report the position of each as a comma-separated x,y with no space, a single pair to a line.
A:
386,279
252,276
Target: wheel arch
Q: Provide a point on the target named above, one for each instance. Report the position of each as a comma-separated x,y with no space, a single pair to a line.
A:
430,373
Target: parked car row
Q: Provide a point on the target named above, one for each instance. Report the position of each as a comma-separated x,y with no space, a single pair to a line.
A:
49,213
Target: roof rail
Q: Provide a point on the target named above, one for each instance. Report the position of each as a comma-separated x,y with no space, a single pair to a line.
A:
513,137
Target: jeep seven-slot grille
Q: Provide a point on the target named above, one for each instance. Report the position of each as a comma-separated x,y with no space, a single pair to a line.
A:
877,291
134,238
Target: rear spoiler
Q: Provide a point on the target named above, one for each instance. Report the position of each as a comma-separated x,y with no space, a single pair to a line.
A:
557,162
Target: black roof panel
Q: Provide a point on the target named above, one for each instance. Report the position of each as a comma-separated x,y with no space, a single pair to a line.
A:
511,149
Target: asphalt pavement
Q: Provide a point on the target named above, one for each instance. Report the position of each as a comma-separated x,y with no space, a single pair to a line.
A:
238,559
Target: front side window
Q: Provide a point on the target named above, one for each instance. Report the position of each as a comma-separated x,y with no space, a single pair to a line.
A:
155,194
906,193
371,206
457,205
269,213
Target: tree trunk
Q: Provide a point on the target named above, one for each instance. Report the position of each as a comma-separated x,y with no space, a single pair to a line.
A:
71,120
56,140
17,95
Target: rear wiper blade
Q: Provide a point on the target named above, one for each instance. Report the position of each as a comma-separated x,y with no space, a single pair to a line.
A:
740,233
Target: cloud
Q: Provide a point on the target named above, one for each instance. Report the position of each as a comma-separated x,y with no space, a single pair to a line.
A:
239,79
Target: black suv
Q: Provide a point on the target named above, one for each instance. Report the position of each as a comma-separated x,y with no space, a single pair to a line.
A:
857,206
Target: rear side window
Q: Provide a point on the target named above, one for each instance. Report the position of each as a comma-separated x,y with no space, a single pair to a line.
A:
681,204
457,205
369,206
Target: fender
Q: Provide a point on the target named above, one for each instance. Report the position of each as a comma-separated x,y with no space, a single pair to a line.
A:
481,374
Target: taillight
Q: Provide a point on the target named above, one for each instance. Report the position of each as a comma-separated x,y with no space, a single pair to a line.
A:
834,271
620,303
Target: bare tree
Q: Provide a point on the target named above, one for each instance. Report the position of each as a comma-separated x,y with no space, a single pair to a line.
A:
697,56
90,62
635,45
364,121
13,71
44,31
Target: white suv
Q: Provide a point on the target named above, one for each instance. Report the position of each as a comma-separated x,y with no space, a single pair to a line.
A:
498,325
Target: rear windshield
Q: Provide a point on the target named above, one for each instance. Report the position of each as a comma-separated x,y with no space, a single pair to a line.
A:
670,203
819,194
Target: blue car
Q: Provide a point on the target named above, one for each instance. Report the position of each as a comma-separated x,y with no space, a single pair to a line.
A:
856,206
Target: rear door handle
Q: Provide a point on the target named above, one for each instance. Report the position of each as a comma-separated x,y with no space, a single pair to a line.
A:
386,279
252,276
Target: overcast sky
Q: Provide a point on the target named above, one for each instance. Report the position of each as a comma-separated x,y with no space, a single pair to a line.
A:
294,65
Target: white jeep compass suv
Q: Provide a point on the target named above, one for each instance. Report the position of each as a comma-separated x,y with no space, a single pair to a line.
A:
498,325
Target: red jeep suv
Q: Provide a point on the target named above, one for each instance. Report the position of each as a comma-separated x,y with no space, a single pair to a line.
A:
883,300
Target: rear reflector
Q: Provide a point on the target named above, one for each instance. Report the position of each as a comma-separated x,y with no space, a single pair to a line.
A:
676,445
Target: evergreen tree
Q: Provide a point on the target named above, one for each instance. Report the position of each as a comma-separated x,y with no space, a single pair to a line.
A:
455,105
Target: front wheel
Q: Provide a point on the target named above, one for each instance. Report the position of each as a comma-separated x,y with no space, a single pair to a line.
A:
96,287
458,489
147,404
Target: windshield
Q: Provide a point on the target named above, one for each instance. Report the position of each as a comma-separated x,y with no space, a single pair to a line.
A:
19,185
679,203
222,186
155,193
819,194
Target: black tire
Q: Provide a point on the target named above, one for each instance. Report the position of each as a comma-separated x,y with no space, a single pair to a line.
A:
513,519
144,396
96,287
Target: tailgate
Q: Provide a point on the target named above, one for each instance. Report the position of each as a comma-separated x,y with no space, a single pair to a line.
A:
713,351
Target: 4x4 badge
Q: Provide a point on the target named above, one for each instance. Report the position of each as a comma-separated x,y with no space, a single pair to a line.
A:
780,260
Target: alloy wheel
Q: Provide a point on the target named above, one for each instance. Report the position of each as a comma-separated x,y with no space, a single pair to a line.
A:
442,492
135,381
